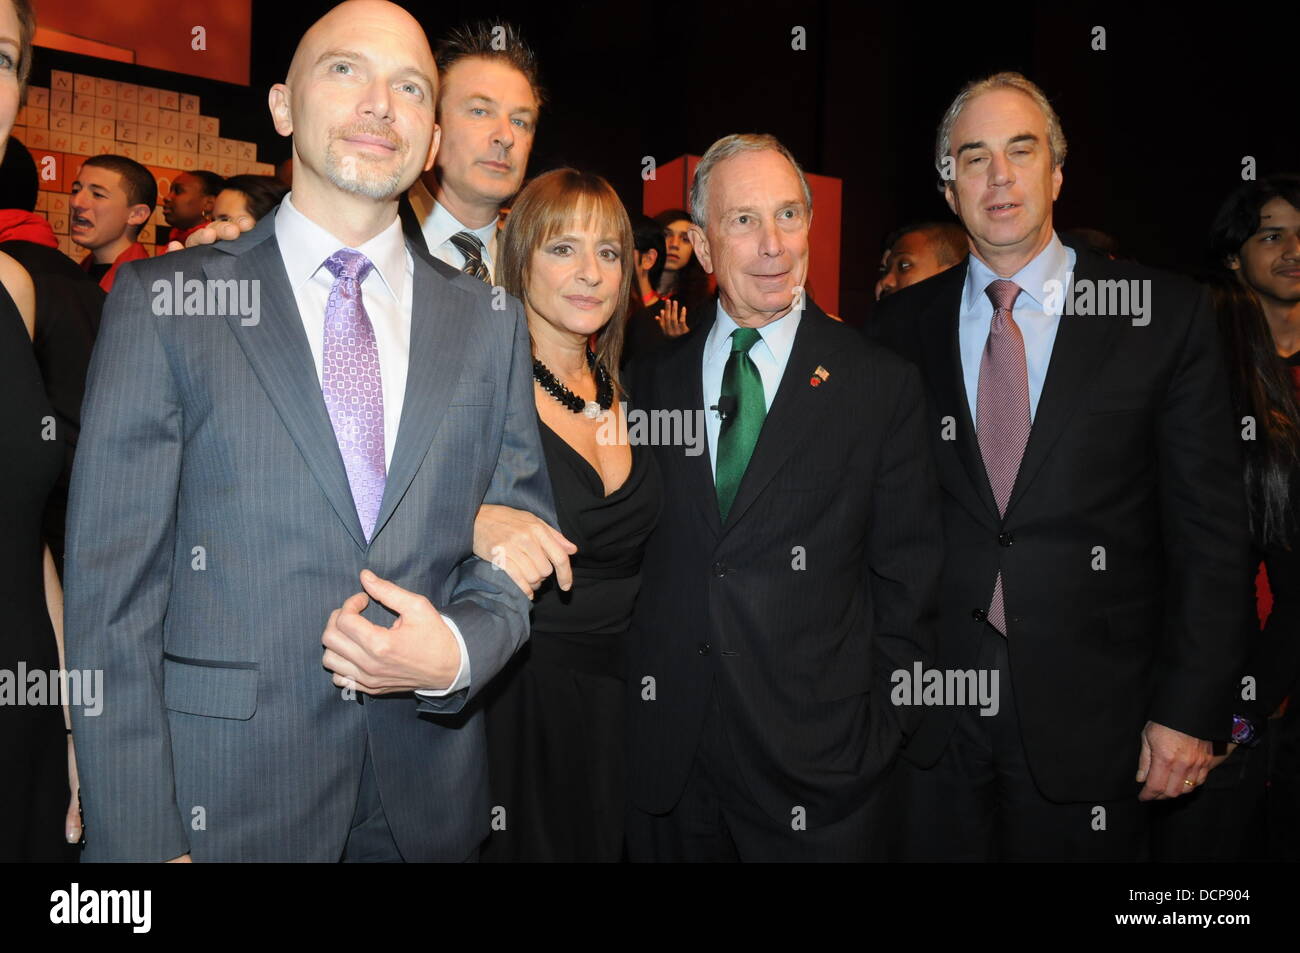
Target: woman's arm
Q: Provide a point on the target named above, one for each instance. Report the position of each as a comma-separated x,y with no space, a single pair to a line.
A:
526,547
54,605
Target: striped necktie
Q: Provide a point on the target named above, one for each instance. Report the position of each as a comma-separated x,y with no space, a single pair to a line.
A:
468,244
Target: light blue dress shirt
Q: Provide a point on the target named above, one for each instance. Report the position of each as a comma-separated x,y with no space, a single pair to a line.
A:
1037,326
438,225
770,355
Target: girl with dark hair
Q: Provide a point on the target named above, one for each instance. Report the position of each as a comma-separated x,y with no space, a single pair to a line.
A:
251,195
1250,806
684,280
651,320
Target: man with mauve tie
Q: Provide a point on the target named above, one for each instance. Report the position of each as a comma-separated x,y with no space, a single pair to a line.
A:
1096,548
270,536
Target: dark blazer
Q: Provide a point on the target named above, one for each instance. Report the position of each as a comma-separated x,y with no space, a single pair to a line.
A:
201,431
1133,457
818,587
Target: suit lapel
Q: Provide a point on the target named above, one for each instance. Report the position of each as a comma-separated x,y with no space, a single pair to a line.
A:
439,311
1081,343
940,333
796,405
280,355
683,388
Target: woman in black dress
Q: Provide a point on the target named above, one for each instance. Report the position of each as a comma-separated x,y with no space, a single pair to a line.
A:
555,714
35,748
34,745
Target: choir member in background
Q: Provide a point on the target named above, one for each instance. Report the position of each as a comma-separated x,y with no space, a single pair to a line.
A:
1248,807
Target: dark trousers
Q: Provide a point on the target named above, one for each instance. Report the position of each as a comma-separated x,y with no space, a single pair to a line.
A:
1247,810
979,802
718,820
1223,820
370,841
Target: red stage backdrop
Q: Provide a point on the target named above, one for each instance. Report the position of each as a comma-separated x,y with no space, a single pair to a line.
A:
157,33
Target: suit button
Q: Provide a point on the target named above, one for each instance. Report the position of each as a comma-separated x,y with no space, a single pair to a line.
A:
719,569
979,615
1005,539
703,648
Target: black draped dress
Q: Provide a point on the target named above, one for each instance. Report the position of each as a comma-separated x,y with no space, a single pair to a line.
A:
33,745
555,714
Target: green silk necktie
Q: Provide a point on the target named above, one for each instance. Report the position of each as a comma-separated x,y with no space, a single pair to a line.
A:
740,429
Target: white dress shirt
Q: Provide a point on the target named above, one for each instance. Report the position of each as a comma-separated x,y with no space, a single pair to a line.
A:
386,293
770,355
438,225
1037,326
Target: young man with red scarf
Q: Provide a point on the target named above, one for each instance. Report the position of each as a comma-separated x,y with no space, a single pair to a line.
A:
112,199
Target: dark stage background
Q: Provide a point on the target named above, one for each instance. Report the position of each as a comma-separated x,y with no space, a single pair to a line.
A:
1158,123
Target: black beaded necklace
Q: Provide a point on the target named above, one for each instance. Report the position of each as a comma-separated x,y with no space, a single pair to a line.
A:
590,408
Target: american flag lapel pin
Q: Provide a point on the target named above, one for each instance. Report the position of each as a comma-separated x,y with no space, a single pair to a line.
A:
819,375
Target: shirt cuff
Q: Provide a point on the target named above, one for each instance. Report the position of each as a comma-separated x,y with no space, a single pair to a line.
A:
462,675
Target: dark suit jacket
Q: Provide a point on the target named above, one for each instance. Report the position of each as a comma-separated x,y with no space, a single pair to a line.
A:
818,587
1133,450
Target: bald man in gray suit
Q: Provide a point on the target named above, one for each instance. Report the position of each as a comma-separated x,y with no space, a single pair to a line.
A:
329,421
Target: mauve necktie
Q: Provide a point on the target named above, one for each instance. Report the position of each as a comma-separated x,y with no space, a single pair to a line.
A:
468,244
351,383
1002,411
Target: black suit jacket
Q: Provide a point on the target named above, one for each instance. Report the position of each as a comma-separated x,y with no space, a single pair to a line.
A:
1133,457
819,586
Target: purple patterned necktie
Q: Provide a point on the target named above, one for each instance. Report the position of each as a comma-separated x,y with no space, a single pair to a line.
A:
350,381
1002,411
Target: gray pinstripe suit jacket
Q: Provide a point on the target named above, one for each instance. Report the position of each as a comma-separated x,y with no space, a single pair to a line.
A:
221,733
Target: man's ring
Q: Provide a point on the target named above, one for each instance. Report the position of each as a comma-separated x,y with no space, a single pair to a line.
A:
1187,781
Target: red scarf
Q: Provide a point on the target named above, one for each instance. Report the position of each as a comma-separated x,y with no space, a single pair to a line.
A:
133,252
19,226
179,235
